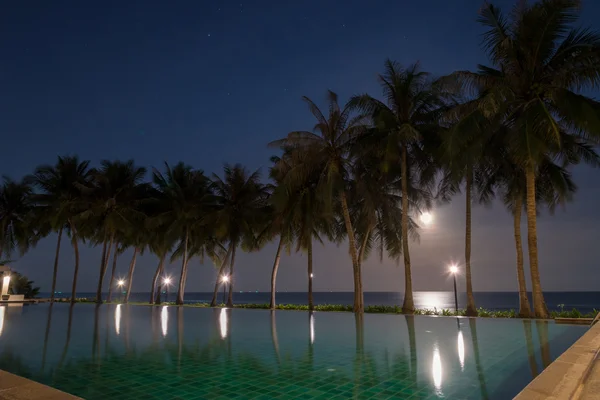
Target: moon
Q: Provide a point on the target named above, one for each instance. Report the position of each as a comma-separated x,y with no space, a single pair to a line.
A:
426,218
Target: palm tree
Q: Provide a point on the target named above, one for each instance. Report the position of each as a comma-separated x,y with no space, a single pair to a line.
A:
241,215
328,151
303,214
114,199
403,124
161,246
16,206
554,186
541,63
280,223
60,197
187,200
376,207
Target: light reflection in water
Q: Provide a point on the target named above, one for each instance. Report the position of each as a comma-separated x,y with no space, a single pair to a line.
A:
118,319
223,323
436,369
312,328
164,320
431,300
2,311
461,351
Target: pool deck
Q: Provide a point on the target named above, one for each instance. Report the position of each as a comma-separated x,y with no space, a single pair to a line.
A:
13,387
573,375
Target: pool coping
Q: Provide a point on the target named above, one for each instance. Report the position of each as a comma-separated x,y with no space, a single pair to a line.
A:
565,377
14,387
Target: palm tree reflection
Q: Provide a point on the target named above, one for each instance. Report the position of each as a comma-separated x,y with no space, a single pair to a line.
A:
46,335
480,374
542,329
412,341
274,336
530,350
68,339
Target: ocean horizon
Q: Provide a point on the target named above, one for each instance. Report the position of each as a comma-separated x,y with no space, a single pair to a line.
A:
583,301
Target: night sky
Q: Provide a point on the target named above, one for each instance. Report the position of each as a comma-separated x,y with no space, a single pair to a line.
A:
209,82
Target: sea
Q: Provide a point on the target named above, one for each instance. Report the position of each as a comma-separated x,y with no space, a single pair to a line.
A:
582,301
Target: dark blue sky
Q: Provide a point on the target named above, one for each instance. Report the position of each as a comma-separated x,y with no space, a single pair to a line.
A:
213,82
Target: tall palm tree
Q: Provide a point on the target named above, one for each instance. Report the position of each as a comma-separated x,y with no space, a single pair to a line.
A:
301,209
554,187
187,202
328,151
113,203
161,246
467,146
242,202
403,122
16,206
541,63
280,222
60,198
376,207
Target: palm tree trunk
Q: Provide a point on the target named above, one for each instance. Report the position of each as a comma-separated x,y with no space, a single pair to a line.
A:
112,274
361,252
159,270
408,307
213,302
99,290
524,308
130,275
311,305
358,294
230,295
539,305
272,305
56,264
104,267
471,310
181,289
76,271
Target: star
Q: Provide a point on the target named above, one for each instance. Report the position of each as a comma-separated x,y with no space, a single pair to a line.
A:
209,35
343,25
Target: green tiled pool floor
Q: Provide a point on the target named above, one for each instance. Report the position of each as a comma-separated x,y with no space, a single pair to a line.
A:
170,353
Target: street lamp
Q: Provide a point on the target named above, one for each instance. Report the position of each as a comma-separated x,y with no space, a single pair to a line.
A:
454,271
166,283
120,283
224,280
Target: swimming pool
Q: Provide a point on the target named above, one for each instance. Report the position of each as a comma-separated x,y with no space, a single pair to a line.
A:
137,352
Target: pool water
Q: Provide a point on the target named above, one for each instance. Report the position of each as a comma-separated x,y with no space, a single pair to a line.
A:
138,352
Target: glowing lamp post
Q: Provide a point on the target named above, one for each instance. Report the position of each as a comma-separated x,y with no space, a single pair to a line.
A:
166,283
224,280
120,283
454,271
